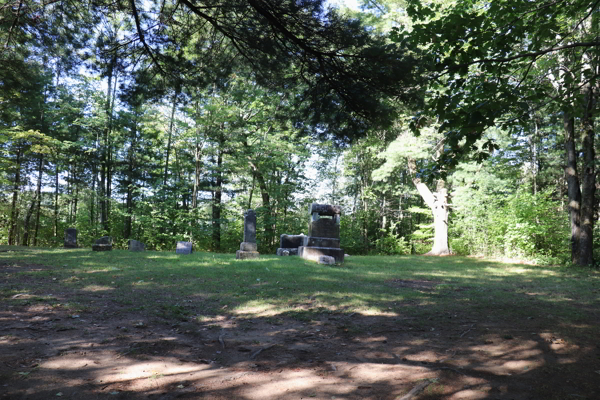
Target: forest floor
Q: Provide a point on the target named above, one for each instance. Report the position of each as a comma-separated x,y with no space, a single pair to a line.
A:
527,333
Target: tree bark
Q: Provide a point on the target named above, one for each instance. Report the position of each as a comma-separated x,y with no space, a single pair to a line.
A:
129,183
39,199
216,207
170,138
588,187
56,192
573,188
14,210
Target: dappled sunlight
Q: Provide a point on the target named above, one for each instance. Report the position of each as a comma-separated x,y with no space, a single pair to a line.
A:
256,308
97,288
271,331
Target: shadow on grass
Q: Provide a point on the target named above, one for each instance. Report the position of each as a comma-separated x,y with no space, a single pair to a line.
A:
160,325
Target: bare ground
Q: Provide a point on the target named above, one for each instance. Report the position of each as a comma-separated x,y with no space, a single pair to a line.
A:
108,351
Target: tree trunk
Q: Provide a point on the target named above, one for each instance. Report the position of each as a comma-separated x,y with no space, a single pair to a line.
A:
93,198
197,159
216,207
56,192
573,189
438,203
586,248
27,222
39,199
129,183
170,138
14,211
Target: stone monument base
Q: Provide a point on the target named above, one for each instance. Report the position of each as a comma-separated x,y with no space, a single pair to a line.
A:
244,255
102,247
248,246
313,253
292,251
70,246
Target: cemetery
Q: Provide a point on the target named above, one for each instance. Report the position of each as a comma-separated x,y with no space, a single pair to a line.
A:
284,200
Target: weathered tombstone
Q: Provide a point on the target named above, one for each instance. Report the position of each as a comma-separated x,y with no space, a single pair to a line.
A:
323,234
290,243
70,238
103,244
184,248
287,252
135,245
248,248
327,260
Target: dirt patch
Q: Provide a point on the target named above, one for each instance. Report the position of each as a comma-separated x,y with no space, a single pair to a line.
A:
85,345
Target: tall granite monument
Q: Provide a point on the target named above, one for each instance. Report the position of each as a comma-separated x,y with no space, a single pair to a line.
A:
323,233
248,248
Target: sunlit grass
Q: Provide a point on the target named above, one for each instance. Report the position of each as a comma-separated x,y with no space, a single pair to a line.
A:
291,286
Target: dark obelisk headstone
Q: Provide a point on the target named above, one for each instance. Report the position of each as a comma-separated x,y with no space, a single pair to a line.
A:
248,248
70,238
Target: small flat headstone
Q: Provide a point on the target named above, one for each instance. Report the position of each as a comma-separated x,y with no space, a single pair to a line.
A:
101,247
184,248
291,251
135,245
327,260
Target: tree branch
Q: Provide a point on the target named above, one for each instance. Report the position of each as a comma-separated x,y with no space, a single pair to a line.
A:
141,36
525,55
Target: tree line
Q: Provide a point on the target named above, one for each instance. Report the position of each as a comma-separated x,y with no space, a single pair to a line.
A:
463,127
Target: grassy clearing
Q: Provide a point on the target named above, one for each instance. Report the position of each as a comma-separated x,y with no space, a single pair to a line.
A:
203,285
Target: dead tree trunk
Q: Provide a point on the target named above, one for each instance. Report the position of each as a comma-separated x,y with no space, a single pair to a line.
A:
438,203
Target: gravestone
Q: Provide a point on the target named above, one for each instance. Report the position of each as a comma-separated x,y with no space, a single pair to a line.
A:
290,243
184,248
327,260
70,238
248,248
135,245
323,234
287,251
103,244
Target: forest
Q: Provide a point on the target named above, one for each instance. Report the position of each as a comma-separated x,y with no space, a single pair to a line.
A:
446,127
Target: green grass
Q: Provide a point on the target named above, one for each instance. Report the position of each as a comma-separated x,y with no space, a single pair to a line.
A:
205,284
